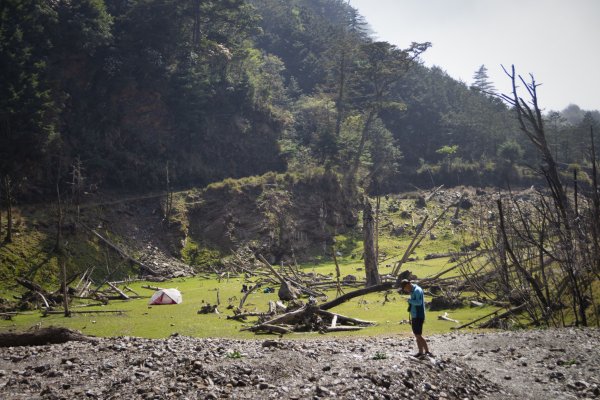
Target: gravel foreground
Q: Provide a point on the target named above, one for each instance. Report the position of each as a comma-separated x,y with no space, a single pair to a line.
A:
547,364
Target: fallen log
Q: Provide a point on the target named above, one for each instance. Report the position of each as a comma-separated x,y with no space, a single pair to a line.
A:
445,317
506,314
122,294
128,280
43,336
509,312
288,317
361,292
305,289
9,313
96,297
7,316
243,316
330,285
285,281
129,297
341,328
129,290
417,238
32,286
433,193
344,319
433,256
270,267
86,288
48,312
120,251
43,299
269,328
155,288
89,305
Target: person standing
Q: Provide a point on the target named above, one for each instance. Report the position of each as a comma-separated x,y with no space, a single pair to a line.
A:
416,306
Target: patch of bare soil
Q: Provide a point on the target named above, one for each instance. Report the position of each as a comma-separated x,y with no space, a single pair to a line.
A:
553,364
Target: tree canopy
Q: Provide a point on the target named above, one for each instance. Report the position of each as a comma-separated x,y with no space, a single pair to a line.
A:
231,88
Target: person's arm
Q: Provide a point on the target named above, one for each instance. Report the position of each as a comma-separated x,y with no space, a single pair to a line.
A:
416,298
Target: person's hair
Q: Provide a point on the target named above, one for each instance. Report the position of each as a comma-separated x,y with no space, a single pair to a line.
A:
404,282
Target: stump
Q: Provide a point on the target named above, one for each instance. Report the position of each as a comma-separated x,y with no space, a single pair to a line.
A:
287,292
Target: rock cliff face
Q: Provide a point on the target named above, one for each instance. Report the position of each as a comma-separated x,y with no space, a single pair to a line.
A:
274,214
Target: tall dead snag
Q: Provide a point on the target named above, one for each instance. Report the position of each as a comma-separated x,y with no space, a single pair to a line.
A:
531,123
337,272
546,229
517,263
6,185
169,199
64,285
371,270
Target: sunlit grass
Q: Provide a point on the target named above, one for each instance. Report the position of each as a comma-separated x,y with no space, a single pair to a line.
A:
140,319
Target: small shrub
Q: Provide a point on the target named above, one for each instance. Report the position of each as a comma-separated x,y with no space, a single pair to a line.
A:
380,356
234,354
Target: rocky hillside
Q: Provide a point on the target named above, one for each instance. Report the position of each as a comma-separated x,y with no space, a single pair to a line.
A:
530,365
280,216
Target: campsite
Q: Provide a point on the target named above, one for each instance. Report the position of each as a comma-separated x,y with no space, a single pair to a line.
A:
354,199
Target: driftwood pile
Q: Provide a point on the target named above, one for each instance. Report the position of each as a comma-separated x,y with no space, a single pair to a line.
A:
290,314
80,287
310,316
307,318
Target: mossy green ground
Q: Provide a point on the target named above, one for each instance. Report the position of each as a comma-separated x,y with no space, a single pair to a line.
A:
140,319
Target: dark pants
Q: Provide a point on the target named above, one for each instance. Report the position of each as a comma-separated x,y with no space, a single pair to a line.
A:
417,325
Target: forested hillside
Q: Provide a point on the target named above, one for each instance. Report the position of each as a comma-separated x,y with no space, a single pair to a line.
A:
132,93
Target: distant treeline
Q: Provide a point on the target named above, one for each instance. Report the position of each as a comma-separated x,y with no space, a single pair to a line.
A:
130,92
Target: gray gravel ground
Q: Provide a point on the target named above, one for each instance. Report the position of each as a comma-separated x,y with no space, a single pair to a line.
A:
551,364
543,364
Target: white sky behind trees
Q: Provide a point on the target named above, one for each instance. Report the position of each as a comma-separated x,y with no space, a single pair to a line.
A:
558,41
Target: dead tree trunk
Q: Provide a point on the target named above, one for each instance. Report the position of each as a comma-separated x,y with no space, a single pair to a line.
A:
563,216
371,270
361,146
6,185
361,292
169,199
65,288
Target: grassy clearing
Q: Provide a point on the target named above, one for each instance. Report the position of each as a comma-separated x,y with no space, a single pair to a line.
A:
143,320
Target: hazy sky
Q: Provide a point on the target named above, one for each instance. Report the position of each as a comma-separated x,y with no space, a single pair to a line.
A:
558,41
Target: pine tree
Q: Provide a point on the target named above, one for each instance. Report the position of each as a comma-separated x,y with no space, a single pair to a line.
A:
481,81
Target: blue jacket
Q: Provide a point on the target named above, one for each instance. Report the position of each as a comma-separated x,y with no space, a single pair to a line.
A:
417,303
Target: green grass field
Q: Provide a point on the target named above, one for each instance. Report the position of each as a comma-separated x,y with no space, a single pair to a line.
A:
140,319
